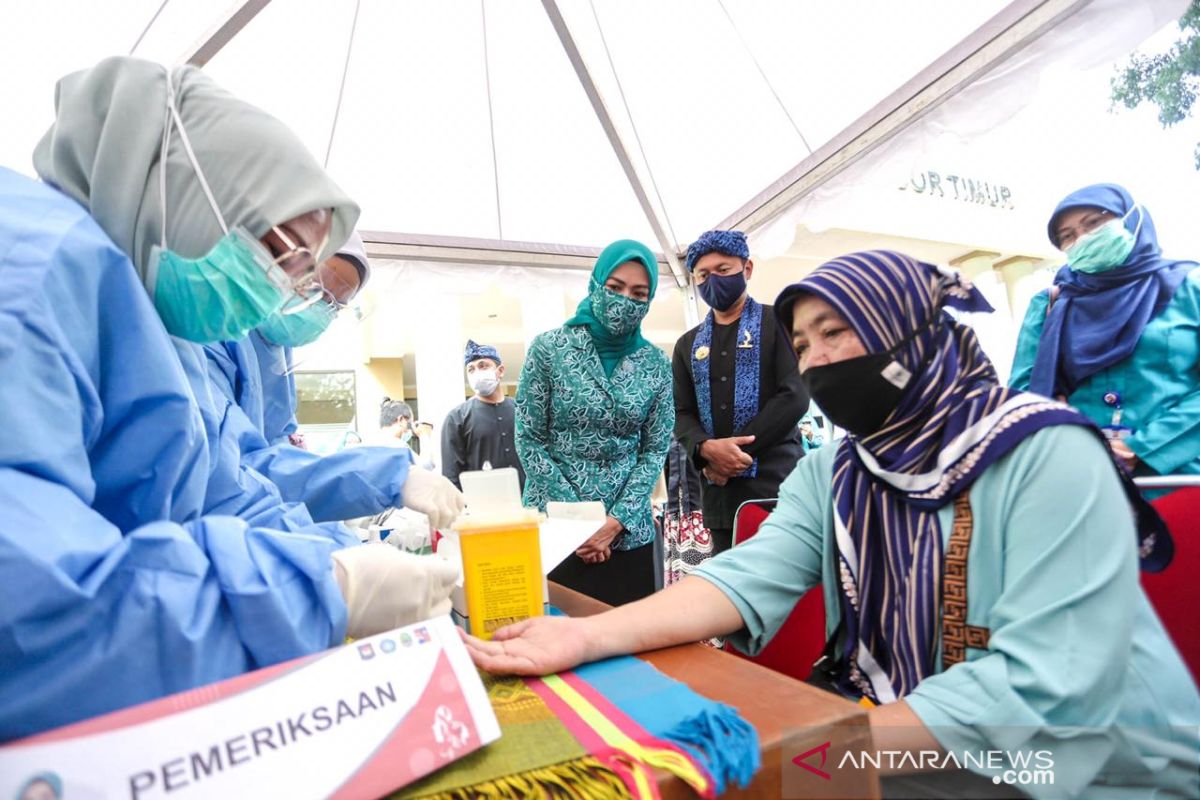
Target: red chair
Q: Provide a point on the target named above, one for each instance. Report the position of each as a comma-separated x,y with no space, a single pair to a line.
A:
802,638
1175,592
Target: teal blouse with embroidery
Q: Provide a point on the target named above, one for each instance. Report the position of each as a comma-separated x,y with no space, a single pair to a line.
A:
1077,662
583,436
1159,384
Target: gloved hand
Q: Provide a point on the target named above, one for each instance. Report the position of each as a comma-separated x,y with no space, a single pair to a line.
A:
385,588
434,496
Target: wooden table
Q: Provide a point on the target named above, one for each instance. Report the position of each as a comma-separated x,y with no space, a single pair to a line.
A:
791,717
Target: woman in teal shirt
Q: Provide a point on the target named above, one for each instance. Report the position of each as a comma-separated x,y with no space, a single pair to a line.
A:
1120,340
977,553
593,421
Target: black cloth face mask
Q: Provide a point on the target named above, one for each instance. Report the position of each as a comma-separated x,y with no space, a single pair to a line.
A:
859,393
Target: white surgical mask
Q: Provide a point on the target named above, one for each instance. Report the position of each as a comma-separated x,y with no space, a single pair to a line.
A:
483,381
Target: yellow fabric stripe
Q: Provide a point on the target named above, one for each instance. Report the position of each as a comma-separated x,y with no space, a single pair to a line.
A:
644,783
670,760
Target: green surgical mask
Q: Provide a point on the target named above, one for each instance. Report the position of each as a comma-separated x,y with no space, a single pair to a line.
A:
620,315
223,294
299,329
1103,249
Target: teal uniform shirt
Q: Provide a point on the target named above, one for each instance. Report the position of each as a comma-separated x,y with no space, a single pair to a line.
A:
1158,385
1077,662
584,436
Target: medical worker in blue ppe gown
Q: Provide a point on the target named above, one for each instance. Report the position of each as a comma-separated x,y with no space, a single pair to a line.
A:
133,563
255,373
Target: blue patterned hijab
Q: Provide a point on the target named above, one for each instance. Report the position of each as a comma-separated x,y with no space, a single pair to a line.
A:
954,421
1097,319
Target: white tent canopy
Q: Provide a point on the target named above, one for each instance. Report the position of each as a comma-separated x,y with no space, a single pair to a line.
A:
510,140
465,117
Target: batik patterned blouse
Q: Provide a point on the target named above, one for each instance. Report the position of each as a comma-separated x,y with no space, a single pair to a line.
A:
583,436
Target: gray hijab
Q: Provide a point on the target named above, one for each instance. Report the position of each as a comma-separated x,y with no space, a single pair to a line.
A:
104,151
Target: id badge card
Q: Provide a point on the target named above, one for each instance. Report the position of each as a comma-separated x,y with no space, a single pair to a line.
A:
1117,432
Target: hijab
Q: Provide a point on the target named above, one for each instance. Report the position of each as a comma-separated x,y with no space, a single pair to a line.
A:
104,150
612,347
953,421
1097,319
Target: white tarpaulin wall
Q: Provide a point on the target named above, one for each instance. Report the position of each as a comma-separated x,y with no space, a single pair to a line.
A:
1032,130
982,172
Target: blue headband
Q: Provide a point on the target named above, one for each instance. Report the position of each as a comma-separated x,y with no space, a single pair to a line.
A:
731,243
475,352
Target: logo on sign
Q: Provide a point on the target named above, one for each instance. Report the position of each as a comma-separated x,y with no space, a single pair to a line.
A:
366,651
387,646
406,640
449,732
422,635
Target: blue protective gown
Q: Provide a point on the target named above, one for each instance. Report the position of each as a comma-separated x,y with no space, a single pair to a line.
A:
235,487
278,389
358,482
257,376
122,578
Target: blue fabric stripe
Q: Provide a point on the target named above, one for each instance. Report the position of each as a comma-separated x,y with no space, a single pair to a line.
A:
714,733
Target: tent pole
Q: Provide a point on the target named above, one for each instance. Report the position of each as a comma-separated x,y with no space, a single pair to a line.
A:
669,248
220,34
493,252
1015,26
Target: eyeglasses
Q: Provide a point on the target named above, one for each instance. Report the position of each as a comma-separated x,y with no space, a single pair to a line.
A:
1087,224
300,260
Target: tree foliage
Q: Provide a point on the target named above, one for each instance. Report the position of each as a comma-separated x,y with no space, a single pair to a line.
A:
1170,80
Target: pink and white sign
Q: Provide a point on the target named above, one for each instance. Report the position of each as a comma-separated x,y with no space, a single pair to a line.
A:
353,722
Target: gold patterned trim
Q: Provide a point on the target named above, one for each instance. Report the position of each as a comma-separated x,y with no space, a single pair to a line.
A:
957,635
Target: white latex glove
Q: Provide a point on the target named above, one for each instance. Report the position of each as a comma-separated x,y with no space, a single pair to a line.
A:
385,588
434,496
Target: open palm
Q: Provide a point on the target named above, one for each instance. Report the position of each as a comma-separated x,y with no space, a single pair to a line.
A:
536,646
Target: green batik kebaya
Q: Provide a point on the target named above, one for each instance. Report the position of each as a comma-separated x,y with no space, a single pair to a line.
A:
582,435
595,411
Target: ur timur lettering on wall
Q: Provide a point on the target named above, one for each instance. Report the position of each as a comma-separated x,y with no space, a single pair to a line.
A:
956,187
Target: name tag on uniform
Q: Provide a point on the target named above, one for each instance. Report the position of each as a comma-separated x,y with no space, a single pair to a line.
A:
701,353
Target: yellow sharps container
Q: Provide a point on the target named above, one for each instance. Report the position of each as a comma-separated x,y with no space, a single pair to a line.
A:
502,564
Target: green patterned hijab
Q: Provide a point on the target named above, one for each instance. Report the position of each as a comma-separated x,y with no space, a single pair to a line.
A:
615,321
105,146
